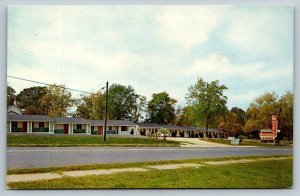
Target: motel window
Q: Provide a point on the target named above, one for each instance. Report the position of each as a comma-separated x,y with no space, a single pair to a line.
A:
123,128
110,128
92,128
14,124
41,125
79,126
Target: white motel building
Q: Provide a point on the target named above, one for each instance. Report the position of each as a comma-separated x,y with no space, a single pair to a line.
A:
43,124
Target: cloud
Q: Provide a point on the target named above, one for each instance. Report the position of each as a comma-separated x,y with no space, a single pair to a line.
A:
189,26
216,65
262,30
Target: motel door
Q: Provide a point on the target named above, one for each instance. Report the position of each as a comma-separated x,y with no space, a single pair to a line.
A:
24,129
66,129
99,130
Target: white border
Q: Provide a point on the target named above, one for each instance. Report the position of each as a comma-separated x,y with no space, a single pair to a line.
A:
3,191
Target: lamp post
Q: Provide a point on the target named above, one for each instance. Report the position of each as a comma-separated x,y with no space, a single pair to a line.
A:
106,106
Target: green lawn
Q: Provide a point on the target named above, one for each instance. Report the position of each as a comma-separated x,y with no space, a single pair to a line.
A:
82,140
126,165
244,143
260,174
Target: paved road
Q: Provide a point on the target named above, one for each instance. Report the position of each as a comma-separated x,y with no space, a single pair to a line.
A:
54,156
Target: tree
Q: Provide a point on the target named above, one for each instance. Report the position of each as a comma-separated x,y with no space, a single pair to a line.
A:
139,108
57,100
11,94
122,103
258,115
240,115
184,117
164,132
179,117
30,100
286,115
206,101
232,121
161,108
92,106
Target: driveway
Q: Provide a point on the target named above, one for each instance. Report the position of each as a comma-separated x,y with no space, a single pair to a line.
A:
195,142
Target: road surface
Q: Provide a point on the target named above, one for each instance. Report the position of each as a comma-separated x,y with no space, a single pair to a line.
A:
22,157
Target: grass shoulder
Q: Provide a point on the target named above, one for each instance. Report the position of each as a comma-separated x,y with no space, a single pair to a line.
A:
128,165
262,174
35,140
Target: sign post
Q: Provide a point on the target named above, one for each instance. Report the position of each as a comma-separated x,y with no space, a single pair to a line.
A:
106,109
270,134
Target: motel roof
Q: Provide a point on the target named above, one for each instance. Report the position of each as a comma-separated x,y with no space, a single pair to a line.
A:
150,125
155,125
70,120
39,118
172,126
112,123
203,129
14,110
17,117
189,128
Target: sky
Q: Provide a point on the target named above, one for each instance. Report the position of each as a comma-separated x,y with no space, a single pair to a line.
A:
158,48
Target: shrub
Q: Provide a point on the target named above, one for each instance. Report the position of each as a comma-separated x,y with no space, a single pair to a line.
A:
285,141
164,132
155,135
242,137
251,136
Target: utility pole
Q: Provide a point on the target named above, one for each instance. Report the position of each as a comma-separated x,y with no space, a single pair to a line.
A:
106,105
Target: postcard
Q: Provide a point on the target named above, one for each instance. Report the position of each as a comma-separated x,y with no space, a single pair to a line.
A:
150,97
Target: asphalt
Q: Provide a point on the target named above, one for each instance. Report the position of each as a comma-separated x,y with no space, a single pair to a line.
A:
22,157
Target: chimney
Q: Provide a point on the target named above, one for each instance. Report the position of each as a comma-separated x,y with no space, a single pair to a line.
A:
15,101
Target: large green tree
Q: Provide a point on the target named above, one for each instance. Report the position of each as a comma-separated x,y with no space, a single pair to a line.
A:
259,113
91,106
286,115
11,94
161,108
30,100
206,101
57,101
122,102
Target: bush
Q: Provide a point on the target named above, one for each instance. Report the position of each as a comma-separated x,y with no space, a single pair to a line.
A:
242,137
156,135
163,132
285,141
251,136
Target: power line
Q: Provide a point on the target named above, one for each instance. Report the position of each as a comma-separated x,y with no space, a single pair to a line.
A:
43,56
49,84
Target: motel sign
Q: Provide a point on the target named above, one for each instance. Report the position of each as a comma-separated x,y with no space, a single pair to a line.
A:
270,134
